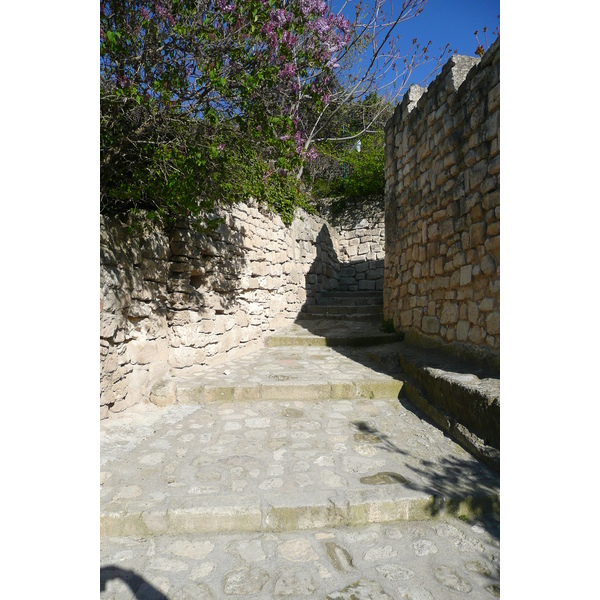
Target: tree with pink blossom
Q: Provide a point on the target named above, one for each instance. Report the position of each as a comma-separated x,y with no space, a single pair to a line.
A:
206,101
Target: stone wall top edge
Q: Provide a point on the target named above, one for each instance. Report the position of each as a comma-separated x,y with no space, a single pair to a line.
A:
219,211
442,79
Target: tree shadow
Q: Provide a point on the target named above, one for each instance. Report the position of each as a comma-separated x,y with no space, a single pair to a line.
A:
384,439
462,487
141,588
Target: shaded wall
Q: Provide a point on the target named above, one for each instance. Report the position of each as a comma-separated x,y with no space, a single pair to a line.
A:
360,226
174,301
442,208
171,302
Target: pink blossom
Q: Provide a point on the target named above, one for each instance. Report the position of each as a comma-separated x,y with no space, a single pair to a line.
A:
288,71
312,153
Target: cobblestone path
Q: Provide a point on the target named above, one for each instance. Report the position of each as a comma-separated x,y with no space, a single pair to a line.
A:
317,482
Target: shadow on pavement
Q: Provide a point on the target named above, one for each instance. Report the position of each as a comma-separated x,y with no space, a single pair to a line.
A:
476,483
141,589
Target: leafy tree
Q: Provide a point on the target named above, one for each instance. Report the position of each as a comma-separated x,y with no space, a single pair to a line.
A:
373,71
206,101
186,85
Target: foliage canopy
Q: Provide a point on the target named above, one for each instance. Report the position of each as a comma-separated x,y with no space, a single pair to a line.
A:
211,101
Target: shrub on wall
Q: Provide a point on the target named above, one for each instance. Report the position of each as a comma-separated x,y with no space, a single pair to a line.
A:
185,81
352,173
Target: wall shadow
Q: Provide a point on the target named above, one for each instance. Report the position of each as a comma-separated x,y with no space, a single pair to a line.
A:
323,273
474,482
141,589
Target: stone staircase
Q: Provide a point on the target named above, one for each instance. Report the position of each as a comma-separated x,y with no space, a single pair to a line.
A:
308,438
356,306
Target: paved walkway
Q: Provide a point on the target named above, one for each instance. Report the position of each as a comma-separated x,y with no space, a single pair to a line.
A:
295,472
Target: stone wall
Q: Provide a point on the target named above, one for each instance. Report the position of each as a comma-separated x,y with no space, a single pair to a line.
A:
442,208
179,300
360,225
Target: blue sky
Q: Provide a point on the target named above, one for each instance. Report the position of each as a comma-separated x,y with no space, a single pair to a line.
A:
454,21
446,22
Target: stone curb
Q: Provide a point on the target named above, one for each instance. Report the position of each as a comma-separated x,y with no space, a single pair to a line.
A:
293,512
464,406
458,432
354,341
193,393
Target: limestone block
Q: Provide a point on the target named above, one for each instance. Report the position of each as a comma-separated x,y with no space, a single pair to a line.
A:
492,126
494,147
476,335
115,301
494,166
447,228
488,265
430,325
466,274
109,324
492,323
492,246
477,116
164,393
473,312
488,184
476,174
455,279
459,260
486,305
449,313
109,363
186,357
471,158
477,234
141,352
493,229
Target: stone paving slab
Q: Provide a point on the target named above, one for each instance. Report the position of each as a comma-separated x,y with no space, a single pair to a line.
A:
292,372
446,558
327,332
282,465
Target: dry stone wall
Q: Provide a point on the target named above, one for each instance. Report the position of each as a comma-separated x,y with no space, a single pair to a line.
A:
442,208
360,225
175,301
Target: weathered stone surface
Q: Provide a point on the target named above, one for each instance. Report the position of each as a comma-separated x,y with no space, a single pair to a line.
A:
164,393
395,572
181,300
298,550
451,579
192,591
445,191
340,558
363,589
245,581
294,583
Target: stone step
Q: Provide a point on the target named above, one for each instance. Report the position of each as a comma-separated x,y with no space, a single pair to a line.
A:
332,332
344,310
462,399
351,298
289,372
345,313
284,465
441,558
